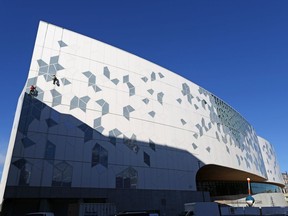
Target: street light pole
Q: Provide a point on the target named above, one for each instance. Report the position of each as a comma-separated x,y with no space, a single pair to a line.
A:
249,189
249,199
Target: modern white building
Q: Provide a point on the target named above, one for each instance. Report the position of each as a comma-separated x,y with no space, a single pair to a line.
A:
122,130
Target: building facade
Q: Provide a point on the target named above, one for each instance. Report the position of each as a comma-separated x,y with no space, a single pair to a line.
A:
119,129
285,189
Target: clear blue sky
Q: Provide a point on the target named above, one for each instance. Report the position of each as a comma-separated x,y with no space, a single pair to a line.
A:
237,49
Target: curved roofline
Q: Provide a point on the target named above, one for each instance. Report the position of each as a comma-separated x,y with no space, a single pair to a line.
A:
151,62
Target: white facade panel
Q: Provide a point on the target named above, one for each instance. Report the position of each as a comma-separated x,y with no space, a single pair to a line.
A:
270,160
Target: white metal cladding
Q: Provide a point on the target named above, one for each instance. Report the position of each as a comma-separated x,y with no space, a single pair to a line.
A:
117,120
271,165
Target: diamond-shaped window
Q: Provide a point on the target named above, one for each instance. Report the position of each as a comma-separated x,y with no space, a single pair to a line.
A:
50,151
27,142
99,156
62,174
128,178
146,158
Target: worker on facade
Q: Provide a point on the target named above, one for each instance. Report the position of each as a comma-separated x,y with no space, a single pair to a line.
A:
55,80
32,90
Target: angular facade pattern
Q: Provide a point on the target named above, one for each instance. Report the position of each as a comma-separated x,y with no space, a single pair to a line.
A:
119,121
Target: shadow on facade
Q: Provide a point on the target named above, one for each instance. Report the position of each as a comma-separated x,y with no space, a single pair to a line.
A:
59,162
